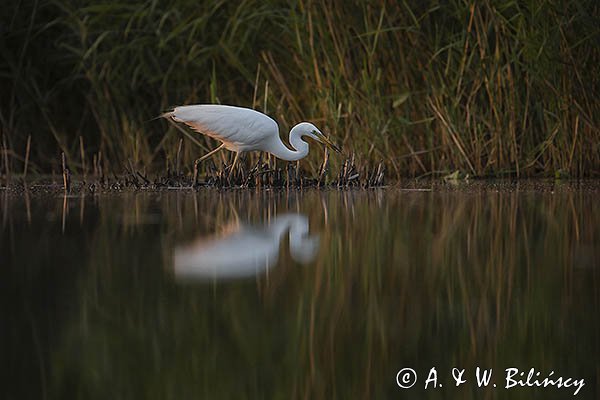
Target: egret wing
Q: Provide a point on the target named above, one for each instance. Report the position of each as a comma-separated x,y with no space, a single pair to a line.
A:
241,129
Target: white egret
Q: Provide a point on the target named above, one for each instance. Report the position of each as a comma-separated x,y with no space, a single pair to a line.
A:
243,129
245,250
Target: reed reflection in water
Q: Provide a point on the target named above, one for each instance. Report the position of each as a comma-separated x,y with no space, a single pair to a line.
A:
495,276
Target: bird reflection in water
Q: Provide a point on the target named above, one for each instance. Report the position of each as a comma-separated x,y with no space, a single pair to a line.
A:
245,250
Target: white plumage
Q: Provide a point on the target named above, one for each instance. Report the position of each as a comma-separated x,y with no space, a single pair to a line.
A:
243,129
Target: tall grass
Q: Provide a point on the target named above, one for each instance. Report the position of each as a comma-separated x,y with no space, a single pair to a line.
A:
490,88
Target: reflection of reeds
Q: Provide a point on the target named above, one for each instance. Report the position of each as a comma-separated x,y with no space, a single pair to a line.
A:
452,277
488,88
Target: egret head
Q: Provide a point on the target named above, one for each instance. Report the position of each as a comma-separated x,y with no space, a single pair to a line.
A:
308,129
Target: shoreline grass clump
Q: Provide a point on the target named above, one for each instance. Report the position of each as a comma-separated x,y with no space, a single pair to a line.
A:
488,88
261,175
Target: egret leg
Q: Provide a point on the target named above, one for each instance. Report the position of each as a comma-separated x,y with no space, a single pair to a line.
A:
210,153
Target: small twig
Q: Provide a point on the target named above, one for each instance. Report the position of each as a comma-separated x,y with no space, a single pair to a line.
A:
27,149
82,155
100,167
132,172
6,163
66,174
146,180
65,210
380,176
178,159
323,170
195,180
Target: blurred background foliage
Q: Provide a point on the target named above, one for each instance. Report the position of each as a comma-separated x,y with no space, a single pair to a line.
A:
490,88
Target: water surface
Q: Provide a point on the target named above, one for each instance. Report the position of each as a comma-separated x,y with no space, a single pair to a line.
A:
317,294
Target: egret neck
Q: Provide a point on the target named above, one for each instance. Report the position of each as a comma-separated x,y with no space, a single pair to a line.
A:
279,150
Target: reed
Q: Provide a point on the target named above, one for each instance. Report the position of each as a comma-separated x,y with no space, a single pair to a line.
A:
488,88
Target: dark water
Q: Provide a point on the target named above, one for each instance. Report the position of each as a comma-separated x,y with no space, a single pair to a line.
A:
300,295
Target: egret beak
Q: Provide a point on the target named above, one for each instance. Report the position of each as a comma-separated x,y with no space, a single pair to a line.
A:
323,139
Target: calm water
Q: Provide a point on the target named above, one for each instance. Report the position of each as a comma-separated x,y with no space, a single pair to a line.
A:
300,295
